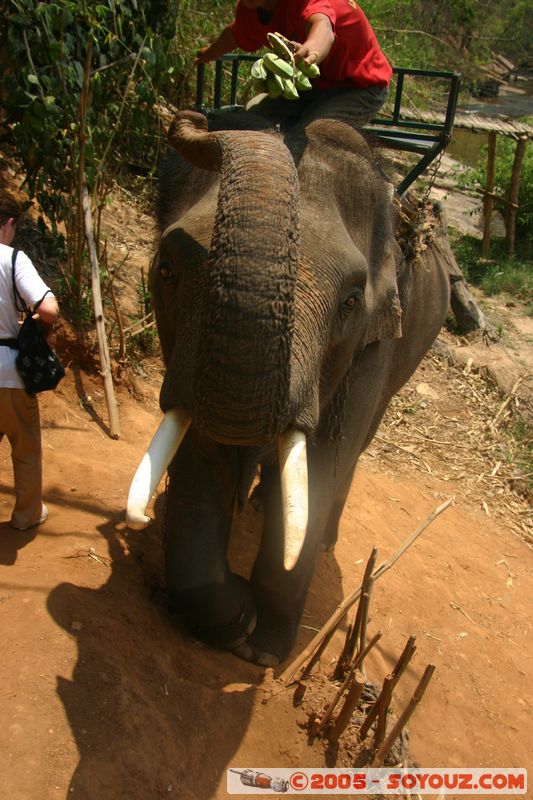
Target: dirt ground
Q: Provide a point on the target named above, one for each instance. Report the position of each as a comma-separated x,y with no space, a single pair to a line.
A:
104,696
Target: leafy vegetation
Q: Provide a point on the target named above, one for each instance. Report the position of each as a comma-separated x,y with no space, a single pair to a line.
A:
198,22
82,78
500,273
145,341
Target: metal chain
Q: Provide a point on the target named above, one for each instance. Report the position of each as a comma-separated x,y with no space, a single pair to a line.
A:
409,247
432,179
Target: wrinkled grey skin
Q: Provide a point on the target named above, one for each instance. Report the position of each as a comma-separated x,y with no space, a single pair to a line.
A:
277,287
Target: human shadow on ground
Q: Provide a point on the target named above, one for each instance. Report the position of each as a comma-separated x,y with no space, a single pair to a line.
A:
11,541
153,712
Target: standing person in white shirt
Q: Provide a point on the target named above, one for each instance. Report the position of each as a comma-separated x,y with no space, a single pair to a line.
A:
19,412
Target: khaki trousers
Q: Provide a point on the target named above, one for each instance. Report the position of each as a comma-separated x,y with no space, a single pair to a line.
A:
19,420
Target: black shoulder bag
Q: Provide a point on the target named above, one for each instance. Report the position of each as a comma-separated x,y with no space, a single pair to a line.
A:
37,364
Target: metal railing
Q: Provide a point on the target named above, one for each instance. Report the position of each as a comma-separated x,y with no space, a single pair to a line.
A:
406,134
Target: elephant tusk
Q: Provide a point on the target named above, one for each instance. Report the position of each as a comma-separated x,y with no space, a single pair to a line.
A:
294,497
161,451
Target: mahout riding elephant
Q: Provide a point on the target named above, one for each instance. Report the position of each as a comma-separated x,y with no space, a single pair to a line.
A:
288,318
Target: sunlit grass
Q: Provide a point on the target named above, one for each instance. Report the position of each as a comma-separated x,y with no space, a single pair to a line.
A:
496,274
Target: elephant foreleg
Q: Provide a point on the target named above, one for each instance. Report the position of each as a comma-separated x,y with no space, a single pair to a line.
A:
217,605
280,595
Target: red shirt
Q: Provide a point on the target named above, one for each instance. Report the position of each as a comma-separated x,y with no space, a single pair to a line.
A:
355,59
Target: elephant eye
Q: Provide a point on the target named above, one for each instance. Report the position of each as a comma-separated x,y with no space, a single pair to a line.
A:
352,300
165,271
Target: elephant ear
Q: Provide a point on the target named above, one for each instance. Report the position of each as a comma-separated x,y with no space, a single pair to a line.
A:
383,300
368,213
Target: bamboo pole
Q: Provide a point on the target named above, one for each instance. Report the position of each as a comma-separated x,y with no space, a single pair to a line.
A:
120,326
359,628
383,709
112,407
130,332
351,636
488,204
365,600
316,657
350,704
514,187
406,656
404,717
287,675
354,631
82,139
140,321
321,723
71,211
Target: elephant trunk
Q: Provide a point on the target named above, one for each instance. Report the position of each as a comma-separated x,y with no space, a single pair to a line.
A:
242,370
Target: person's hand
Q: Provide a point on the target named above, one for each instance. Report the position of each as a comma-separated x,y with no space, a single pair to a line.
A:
46,328
201,56
223,44
304,53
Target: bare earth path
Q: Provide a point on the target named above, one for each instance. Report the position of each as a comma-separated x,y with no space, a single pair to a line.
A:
104,697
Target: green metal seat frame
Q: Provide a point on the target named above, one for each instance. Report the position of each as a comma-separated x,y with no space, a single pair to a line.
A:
427,139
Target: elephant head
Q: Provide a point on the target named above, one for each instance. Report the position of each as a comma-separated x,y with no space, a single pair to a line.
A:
275,288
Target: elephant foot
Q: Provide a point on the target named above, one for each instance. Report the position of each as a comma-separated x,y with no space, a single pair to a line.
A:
225,616
221,615
255,649
274,635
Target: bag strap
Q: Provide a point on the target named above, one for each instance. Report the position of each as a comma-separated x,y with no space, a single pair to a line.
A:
16,293
25,309
38,303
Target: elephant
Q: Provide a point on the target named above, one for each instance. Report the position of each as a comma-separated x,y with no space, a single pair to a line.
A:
288,317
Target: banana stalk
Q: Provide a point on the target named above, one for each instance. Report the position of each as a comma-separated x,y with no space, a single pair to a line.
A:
281,46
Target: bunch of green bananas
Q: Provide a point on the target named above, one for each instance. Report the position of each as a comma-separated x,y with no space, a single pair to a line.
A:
277,75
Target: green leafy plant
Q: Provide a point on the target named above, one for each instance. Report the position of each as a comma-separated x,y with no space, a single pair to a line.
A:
82,79
144,340
500,273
